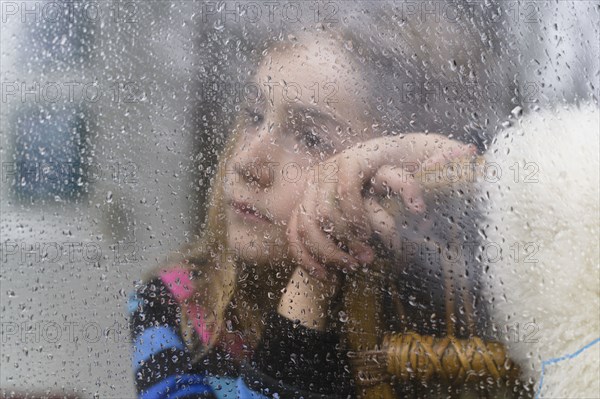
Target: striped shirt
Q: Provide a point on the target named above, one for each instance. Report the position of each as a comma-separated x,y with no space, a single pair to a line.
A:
162,363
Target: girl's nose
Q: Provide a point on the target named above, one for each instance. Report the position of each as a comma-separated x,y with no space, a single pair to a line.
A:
261,173
257,165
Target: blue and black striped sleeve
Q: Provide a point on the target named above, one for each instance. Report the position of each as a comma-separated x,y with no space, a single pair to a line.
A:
161,361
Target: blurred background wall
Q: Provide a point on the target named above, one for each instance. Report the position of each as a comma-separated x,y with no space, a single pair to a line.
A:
113,114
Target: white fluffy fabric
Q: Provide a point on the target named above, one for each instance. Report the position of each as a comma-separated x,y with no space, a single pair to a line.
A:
547,303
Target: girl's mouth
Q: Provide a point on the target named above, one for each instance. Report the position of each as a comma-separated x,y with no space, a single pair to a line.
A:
249,212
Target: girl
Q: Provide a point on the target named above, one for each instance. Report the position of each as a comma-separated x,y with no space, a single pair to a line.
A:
293,188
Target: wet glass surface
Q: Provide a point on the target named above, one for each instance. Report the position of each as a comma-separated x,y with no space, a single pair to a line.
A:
355,199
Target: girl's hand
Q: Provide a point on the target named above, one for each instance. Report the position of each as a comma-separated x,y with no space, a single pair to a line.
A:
334,221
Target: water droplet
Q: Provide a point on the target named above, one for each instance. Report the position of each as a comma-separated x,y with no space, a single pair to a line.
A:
517,111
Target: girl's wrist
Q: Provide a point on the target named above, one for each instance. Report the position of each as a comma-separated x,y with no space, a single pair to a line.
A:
307,300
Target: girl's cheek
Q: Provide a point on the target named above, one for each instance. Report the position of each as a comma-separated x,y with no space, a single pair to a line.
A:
291,191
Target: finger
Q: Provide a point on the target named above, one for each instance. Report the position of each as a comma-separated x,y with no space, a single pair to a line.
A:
442,168
395,180
340,231
382,223
451,151
331,219
349,199
362,252
320,245
328,219
300,253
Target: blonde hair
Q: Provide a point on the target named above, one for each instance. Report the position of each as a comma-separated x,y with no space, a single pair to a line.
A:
213,276
214,270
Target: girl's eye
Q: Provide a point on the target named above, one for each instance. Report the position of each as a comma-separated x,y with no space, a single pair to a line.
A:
310,139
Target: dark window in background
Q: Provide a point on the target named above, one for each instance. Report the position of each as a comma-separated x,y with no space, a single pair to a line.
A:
49,133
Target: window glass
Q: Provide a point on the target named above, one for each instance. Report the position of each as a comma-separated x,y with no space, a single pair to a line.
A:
291,199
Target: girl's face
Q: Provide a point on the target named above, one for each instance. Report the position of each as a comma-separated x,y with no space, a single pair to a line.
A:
313,105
